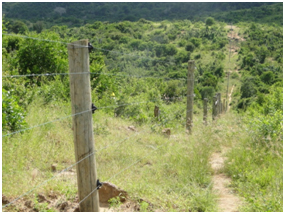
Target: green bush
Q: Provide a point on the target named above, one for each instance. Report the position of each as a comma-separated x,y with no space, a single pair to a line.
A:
13,116
38,57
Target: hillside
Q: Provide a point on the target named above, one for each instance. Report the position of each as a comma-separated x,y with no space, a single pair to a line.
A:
78,14
231,160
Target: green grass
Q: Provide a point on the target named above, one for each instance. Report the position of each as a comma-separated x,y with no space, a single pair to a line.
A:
172,173
257,175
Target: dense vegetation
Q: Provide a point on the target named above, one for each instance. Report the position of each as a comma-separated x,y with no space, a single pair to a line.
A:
146,61
47,14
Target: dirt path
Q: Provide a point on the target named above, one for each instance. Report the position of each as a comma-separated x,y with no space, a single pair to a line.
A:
230,97
228,201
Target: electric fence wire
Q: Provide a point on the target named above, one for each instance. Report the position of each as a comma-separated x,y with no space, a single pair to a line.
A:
83,46
107,74
112,106
129,166
71,166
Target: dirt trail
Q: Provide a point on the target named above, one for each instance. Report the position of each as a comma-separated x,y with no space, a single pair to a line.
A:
230,97
228,201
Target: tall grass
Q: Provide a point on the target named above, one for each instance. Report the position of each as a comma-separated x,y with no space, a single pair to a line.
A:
173,173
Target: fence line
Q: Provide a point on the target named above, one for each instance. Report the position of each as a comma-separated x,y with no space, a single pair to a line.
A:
71,166
107,74
82,46
112,106
117,142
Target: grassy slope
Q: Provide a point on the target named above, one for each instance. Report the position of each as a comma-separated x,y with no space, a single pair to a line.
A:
173,174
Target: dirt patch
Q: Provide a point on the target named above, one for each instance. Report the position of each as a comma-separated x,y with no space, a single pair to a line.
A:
59,203
230,97
228,201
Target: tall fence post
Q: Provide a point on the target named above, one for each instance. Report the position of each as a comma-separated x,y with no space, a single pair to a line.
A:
224,105
205,101
190,95
80,92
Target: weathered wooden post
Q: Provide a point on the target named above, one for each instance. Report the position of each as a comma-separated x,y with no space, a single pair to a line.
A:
224,105
80,92
214,107
190,95
205,101
156,111
219,104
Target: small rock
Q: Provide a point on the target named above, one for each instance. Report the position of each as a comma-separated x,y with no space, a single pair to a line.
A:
28,204
166,132
63,205
52,195
5,200
108,191
41,198
53,167
132,128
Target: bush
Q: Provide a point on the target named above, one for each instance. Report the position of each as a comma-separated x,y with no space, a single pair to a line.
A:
37,57
207,92
190,47
13,116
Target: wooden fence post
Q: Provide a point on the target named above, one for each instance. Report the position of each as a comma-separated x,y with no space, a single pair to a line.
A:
214,107
80,92
205,111
190,95
224,105
219,104
156,111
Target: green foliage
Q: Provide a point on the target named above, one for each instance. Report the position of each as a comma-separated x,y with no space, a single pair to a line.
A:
18,27
190,47
13,116
209,79
267,77
210,21
207,92
37,57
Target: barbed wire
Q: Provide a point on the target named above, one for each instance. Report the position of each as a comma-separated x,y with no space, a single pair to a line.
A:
112,106
71,166
107,74
83,46
45,40
43,124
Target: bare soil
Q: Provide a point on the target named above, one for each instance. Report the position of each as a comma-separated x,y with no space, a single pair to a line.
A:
228,201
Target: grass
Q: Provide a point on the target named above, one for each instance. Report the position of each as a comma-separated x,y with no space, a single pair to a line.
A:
172,173
257,174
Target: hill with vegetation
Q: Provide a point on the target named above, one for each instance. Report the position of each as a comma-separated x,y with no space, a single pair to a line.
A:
78,14
135,66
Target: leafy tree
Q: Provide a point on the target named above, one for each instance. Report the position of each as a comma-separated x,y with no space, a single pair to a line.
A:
209,79
249,86
190,47
37,56
267,77
210,21
18,27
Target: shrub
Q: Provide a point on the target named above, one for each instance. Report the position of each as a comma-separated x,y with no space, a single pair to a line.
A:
12,114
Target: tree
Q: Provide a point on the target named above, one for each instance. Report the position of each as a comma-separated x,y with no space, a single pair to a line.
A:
19,27
210,21
190,47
